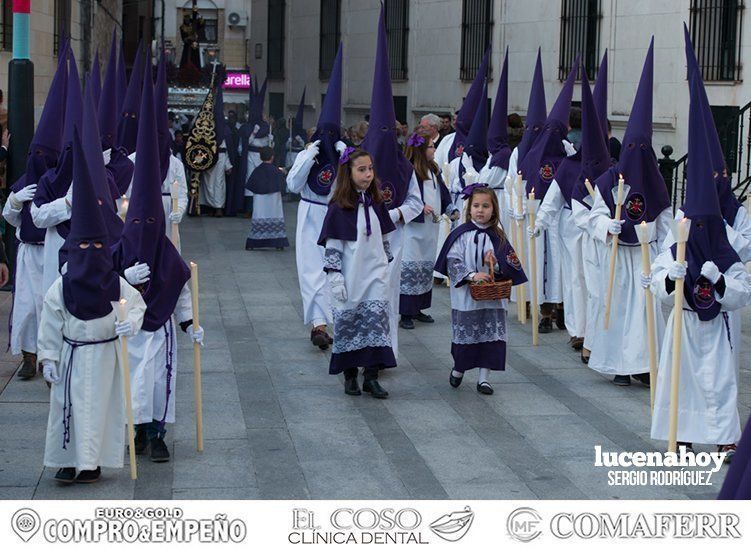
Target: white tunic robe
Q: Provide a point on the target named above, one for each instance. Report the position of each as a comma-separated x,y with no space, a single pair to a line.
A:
49,216
592,251
623,348
175,172
147,352
708,383
410,208
573,287
97,423
311,211
495,177
28,292
213,190
254,158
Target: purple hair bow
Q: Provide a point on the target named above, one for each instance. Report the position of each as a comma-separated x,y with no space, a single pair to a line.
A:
415,140
469,189
344,158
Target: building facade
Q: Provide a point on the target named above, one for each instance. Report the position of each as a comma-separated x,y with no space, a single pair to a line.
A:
436,46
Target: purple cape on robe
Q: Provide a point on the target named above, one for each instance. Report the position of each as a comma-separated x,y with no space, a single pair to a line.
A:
266,179
508,263
341,224
445,197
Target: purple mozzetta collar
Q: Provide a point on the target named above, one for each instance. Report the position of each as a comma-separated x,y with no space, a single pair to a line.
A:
341,224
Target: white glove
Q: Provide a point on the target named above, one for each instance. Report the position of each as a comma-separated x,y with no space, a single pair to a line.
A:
312,151
534,233
677,270
711,272
338,290
570,149
340,146
175,217
137,274
25,194
124,328
517,216
49,371
645,279
256,129
614,227
196,336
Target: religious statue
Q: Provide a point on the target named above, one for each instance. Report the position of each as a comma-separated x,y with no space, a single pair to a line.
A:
190,32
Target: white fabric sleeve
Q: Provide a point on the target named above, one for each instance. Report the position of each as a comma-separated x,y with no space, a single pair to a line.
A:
737,288
742,222
458,271
50,338
298,173
551,205
177,172
10,214
413,204
184,307
599,219
740,243
580,213
50,214
136,304
660,267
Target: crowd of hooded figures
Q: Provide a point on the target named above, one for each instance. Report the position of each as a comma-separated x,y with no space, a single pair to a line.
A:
370,244
371,241
93,213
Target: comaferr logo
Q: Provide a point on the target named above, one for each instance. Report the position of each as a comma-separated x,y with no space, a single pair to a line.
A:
641,525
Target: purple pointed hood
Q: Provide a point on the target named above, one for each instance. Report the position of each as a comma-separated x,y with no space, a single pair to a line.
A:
164,137
594,155
707,240
90,282
729,203
55,182
107,111
127,126
255,114
328,131
298,125
498,128
96,80
122,78
541,162
536,112
143,237
46,145
600,94
648,196
469,108
476,144
392,168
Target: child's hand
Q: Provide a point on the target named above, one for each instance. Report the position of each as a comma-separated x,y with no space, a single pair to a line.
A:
481,277
428,209
489,257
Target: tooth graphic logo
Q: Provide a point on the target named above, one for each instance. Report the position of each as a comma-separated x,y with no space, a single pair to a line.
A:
454,526
25,523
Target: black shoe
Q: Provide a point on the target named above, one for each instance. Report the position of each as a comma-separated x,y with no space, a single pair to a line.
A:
687,445
374,388
642,378
351,387
28,366
545,326
320,338
577,343
422,317
88,477
159,452
66,475
455,381
622,381
407,323
560,319
141,442
485,388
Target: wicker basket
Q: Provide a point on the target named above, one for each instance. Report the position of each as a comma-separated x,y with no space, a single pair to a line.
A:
490,291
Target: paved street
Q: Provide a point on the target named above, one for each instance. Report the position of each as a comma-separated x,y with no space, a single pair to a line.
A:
277,426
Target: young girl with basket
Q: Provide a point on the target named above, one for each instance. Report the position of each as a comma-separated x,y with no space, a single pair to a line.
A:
356,262
478,298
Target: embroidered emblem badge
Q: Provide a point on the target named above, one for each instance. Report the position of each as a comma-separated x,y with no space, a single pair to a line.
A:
326,175
635,207
547,173
703,293
513,260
